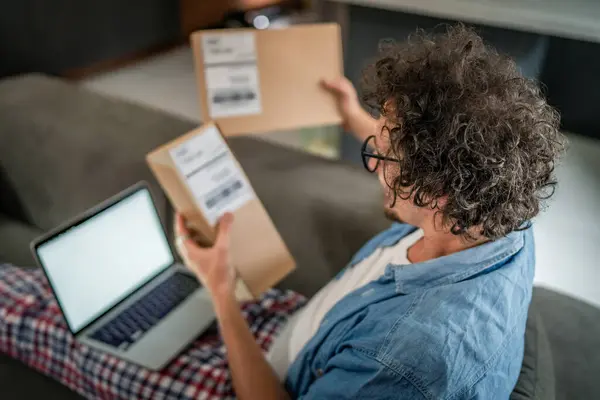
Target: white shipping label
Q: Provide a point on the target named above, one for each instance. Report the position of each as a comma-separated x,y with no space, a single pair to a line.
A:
233,90
219,48
212,174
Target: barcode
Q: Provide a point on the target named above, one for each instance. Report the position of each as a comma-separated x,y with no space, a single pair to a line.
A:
219,51
233,96
223,194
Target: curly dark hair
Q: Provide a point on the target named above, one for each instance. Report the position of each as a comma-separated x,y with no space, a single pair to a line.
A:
468,128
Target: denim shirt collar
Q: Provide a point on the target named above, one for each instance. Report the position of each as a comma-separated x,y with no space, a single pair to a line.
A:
445,270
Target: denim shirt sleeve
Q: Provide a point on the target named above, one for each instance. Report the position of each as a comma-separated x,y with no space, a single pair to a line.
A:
354,374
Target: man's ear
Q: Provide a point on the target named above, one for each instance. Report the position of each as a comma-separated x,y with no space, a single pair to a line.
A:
437,206
439,203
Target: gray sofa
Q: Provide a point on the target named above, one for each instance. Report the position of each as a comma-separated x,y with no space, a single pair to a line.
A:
63,149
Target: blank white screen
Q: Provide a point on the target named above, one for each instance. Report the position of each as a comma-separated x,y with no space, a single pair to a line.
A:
96,264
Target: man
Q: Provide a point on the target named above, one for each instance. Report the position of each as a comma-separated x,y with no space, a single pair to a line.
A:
435,307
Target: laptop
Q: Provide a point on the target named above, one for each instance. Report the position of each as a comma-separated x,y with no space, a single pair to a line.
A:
118,285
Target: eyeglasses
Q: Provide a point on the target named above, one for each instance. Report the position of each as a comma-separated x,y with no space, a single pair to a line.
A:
367,154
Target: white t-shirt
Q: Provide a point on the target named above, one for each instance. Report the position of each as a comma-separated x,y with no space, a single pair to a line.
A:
304,323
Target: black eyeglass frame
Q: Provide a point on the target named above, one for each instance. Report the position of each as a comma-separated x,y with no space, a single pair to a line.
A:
366,155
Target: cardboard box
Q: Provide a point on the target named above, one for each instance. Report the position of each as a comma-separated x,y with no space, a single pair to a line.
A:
256,81
203,180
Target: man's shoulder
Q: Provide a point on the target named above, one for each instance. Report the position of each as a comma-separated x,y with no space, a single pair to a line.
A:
448,338
452,327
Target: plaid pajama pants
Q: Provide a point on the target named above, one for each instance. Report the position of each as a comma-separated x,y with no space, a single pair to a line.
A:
33,331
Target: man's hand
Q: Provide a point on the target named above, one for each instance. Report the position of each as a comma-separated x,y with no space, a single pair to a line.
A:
252,376
346,96
355,118
211,265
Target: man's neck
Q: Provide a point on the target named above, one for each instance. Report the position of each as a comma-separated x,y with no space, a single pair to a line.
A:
435,244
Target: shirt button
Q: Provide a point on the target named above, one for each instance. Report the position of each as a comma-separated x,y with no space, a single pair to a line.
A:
319,372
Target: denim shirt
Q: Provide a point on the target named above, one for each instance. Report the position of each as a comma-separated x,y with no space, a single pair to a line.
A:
448,328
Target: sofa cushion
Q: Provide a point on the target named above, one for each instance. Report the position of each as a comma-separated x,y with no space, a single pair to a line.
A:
65,149
10,204
15,237
573,329
536,380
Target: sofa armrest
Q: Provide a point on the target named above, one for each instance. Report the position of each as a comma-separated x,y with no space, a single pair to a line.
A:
536,380
15,237
325,210
573,331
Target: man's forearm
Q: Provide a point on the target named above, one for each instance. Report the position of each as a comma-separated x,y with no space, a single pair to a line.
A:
252,375
362,125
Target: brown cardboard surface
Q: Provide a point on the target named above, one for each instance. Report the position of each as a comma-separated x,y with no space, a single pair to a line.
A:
291,62
258,252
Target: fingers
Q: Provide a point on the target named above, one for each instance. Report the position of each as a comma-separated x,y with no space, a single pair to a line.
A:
186,247
206,262
180,227
337,85
224,230
189,249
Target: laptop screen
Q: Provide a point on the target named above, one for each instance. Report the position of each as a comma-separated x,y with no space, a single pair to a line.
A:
99,262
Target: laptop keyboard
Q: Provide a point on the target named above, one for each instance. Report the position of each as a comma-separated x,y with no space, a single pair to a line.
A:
132,323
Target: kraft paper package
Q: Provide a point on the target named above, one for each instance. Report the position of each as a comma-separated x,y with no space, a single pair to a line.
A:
258,81
203,180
